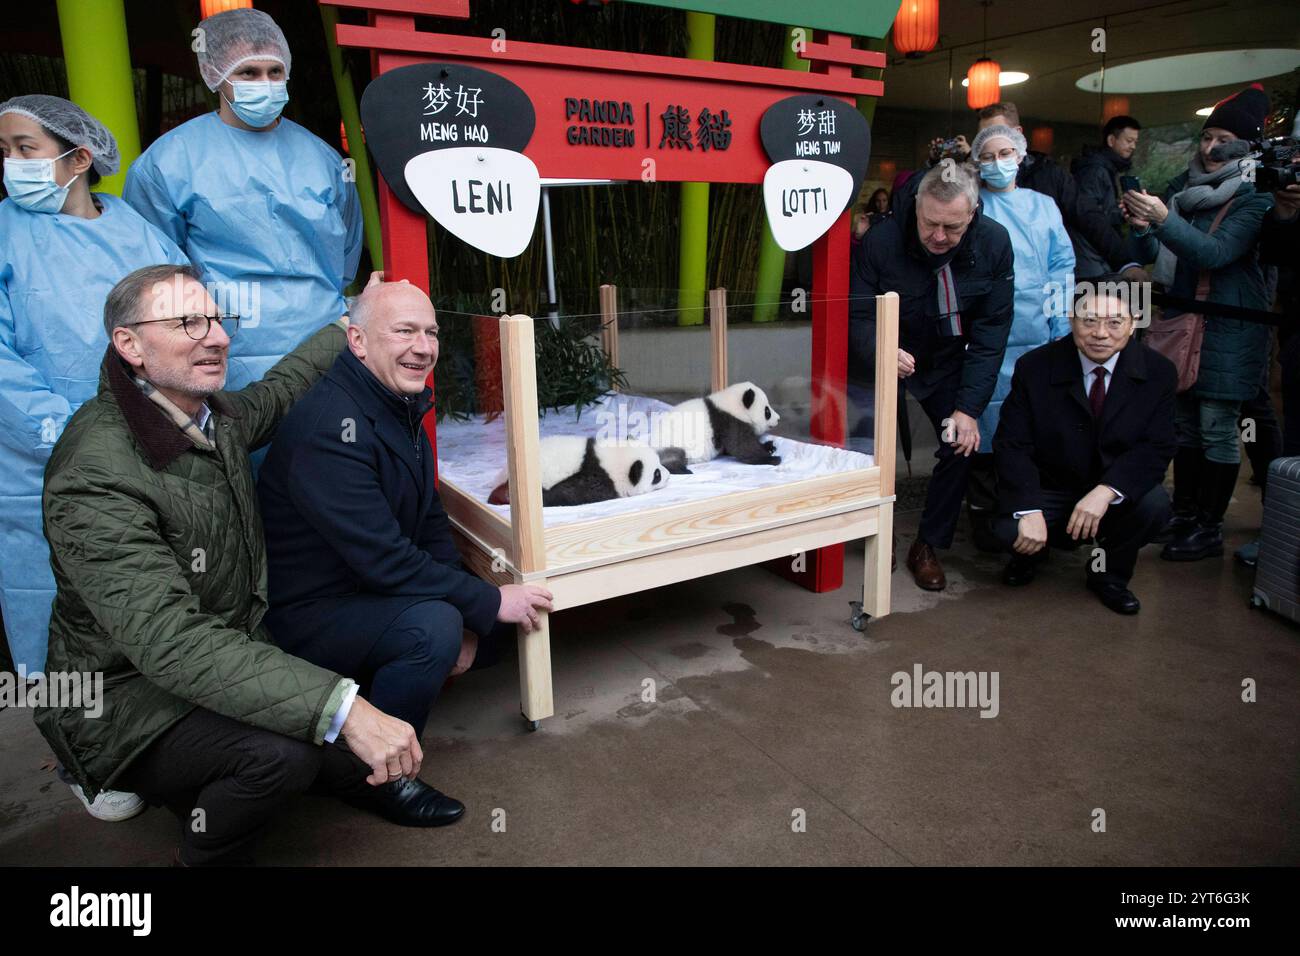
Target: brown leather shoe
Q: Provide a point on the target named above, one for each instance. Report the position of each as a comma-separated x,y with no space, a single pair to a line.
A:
925,567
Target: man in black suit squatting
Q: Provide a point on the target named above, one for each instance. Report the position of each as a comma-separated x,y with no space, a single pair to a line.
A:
1081,451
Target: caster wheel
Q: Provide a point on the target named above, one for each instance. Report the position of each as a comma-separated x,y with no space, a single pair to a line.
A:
859,619
1256,601
532,725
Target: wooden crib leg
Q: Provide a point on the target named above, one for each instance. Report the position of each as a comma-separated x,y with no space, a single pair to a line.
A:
535,699
876,576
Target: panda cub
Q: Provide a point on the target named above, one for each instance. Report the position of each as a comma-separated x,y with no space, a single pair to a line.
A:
578,471
728,422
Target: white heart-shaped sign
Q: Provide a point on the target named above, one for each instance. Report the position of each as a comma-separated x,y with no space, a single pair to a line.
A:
803,198
484,196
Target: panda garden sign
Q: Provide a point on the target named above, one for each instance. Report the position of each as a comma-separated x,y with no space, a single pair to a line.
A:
603,114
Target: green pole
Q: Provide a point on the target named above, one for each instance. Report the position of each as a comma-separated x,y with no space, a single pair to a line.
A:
100,79
693,257
771,257
347,96
867,104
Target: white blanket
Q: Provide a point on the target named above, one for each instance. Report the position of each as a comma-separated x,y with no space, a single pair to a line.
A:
472,453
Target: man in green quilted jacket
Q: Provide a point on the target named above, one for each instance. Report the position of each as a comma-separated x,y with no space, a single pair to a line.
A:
158,556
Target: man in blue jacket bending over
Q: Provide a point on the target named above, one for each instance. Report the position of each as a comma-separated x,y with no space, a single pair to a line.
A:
362,571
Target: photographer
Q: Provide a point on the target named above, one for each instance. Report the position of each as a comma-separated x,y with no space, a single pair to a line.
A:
1279,239
1203,237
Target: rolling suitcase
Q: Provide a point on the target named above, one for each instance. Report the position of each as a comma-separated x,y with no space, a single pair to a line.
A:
1277,575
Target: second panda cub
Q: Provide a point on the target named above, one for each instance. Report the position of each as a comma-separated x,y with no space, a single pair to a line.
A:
728,422
578,471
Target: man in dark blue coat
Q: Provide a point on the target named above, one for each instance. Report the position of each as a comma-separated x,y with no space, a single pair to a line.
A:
953,271
1085,438
362,571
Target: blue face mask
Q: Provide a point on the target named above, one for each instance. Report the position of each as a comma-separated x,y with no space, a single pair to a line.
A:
31,184
259,103
1001,173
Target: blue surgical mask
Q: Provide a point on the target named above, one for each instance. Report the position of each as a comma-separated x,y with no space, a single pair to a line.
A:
1001,173
259,103
31,183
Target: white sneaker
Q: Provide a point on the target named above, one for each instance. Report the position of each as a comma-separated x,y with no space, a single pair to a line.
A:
112,806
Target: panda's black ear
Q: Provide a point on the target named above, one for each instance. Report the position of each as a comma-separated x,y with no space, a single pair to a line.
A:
634,473
748,398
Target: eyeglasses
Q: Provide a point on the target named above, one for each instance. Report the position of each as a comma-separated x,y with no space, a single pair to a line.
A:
1113,326
1005,153
197,327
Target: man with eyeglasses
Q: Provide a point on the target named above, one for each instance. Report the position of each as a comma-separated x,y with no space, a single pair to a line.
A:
160,569
1086,435
952,268
364,576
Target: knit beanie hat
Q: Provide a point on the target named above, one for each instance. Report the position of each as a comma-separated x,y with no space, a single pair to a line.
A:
1242,113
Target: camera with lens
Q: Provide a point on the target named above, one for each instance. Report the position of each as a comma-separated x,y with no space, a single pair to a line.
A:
952,149
1275,168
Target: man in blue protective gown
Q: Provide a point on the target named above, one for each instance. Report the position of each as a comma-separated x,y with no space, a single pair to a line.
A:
262,206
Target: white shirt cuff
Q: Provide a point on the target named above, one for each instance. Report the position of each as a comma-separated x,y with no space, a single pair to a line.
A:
1020,514
1119,495
341,715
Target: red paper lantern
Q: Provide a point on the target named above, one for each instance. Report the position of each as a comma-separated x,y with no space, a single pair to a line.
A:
209,7
888,169
916,28
1040,139
1114,106
984,89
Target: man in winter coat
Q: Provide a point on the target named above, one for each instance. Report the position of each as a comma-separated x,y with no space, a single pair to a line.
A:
160,571
953,271
364,576
1101,251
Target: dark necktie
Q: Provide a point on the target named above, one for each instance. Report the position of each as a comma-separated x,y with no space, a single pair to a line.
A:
1097,394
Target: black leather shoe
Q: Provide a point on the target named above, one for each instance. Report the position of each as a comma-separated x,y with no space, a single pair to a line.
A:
1202,541
1019,571
409,803
1177,526
1116,597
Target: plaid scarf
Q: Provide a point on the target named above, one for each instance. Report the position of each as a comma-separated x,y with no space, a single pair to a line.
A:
203,437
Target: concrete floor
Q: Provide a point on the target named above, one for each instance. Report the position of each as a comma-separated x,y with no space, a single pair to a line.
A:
768,704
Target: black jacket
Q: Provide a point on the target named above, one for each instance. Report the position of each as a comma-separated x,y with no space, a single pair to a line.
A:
349,503
1047,438
890,258
1099,244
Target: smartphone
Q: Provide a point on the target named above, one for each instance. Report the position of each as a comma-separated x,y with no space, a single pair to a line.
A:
1130,182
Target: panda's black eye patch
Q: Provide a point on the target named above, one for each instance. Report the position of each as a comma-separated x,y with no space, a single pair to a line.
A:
748,398
767,411
657,477
634,473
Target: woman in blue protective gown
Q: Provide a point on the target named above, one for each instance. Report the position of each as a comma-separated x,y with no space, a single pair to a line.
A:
265,209
62,249
1044,266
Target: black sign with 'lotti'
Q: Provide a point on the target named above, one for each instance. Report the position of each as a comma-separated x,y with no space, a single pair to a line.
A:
819,147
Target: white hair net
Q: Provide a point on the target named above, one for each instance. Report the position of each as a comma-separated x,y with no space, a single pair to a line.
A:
66,119
234,37
987,133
